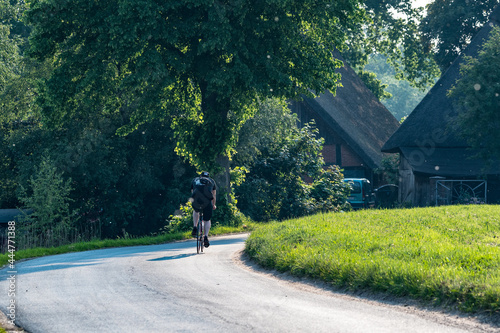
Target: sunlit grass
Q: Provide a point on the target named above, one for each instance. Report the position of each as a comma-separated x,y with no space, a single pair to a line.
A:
446,255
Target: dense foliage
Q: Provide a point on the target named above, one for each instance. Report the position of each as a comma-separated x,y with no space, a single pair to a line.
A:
418,43
449,26
279,159
391,28
180,78
203,63
129,184
48,222
8,49
477,99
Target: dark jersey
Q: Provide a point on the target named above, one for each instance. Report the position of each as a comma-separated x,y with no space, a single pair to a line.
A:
202,195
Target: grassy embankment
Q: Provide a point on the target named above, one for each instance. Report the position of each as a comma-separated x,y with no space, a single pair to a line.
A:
446,255
120,242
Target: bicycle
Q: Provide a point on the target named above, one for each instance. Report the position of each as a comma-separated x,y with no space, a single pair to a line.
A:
200,234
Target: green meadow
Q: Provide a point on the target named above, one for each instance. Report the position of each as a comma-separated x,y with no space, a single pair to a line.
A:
447,256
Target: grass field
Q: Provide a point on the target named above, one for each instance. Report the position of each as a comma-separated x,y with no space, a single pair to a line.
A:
446,255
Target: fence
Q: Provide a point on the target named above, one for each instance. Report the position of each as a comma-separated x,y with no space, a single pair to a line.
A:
450,192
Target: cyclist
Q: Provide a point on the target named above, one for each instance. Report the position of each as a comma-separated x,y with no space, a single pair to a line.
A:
204,190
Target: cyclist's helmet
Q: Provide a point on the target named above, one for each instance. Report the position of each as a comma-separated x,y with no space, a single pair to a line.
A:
205,174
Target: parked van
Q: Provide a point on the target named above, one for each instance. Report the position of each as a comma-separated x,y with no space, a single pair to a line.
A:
361,195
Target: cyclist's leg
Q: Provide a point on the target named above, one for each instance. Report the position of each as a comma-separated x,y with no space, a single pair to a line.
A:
196,215
207,217
206,230
198,234
207,225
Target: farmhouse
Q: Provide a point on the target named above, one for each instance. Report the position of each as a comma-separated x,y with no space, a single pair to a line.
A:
436,166
353,123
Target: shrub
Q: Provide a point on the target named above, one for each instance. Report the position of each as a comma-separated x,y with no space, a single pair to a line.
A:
51,223
329,191
275,187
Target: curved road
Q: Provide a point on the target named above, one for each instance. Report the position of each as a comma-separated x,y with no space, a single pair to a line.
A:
169,288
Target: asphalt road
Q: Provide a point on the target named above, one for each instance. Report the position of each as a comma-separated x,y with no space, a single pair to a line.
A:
169,288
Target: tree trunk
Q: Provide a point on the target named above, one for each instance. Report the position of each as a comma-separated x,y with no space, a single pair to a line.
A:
216,109
223,179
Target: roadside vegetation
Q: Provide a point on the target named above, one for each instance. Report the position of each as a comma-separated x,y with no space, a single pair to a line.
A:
446,256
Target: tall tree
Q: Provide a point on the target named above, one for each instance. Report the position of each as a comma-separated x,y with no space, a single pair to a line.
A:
450,24
9,53
18,74
390,28
204,63
477,99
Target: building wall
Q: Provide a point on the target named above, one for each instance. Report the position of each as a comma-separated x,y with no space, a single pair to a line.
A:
353,166
414,189
350,158
347,157
420,190
406,182
330,154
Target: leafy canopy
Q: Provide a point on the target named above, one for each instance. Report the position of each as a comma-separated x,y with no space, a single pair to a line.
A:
449,26
204,63
477,98
391,28
9,56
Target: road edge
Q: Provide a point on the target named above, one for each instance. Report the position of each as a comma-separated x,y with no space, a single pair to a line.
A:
6,324
478,323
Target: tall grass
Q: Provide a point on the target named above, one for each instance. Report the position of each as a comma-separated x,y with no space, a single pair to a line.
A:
446,255
30,235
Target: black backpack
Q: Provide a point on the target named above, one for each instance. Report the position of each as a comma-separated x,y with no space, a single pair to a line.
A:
202,193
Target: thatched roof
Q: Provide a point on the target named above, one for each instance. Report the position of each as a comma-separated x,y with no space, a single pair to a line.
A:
426,130
356,115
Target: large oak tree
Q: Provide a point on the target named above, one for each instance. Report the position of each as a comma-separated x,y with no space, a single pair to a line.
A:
204,63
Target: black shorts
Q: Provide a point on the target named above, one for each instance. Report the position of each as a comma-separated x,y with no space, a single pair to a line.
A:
207,212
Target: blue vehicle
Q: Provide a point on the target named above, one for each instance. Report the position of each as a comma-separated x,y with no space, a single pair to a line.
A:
361,195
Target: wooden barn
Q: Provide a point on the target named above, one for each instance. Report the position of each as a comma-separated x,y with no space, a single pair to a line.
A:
436,166
354,124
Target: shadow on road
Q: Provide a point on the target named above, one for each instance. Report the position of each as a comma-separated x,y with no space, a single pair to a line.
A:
101,256
178,256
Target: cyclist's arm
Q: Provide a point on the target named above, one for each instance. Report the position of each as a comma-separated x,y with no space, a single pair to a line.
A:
214,194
